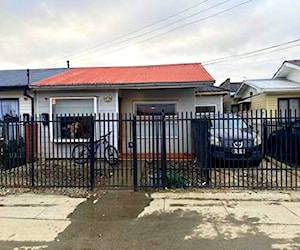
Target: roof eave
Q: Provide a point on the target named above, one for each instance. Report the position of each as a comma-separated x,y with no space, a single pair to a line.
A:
211,93
13,87
125,86
276,91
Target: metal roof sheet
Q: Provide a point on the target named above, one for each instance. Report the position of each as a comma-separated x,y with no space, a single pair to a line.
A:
234,86
271,84
18,78
209,88
177,73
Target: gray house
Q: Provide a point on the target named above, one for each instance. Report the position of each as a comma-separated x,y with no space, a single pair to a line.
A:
141,90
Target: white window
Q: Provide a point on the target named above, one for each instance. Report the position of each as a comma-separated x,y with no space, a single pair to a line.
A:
149,117
72,117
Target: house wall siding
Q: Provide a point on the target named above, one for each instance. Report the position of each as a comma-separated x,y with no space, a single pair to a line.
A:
24,102
269,102
272,99
258,102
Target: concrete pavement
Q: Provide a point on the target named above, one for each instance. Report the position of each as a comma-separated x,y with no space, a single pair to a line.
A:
35,217
212,219
236,215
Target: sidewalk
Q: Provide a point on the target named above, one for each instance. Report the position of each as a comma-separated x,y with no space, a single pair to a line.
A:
236,215
122,219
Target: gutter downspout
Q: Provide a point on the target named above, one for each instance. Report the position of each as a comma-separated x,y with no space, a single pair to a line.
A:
27,95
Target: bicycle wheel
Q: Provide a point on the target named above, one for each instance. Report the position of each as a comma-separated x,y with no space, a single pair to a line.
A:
111,155
80,153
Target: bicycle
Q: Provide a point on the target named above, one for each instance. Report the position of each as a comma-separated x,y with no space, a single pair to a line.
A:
81,152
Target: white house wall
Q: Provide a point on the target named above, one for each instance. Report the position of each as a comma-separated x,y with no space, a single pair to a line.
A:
42,104
214,100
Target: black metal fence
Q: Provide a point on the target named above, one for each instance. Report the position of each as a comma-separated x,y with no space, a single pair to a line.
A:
253,150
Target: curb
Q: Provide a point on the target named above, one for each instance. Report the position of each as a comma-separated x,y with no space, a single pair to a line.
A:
291,196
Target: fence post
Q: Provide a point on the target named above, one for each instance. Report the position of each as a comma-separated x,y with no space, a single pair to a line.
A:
31,150
92,155
134,149
163,152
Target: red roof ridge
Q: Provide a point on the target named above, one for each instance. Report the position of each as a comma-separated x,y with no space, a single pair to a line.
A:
139,66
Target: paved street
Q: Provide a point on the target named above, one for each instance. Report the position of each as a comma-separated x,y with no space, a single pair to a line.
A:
164,220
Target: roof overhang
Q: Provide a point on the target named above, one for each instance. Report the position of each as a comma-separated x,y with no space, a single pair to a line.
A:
18,87
285,69
156,85
209,93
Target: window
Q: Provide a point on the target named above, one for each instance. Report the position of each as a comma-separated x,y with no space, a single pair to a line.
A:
150,119
72,117
205,110
9,111
155,108
9,108
289,108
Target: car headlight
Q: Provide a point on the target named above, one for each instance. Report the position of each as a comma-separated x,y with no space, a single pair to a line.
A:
257,140
215,141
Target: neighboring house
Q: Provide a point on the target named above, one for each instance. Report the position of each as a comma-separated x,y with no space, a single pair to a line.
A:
15,98
278,94
140,90
13,83
230,102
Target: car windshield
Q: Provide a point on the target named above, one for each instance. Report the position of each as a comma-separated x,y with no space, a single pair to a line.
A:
229,123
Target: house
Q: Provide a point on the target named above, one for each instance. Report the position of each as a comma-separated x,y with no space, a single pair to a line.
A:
15,98
230,102
281,93
140,90
13,89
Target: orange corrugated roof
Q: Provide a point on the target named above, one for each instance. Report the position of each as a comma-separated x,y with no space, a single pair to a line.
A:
191,72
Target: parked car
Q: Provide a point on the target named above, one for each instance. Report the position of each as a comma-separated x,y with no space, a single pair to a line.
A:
283,144
234,142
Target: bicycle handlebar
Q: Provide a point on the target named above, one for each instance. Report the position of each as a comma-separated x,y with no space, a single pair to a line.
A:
102,137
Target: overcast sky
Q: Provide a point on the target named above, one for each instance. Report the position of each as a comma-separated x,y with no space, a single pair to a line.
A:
45,34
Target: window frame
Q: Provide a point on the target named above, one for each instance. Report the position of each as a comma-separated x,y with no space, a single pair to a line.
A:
17,115
145,119
289,115
53,116
13,99
205,113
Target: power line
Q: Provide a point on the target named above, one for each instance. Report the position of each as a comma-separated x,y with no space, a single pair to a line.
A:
176,28
132,32
151,31
252,53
